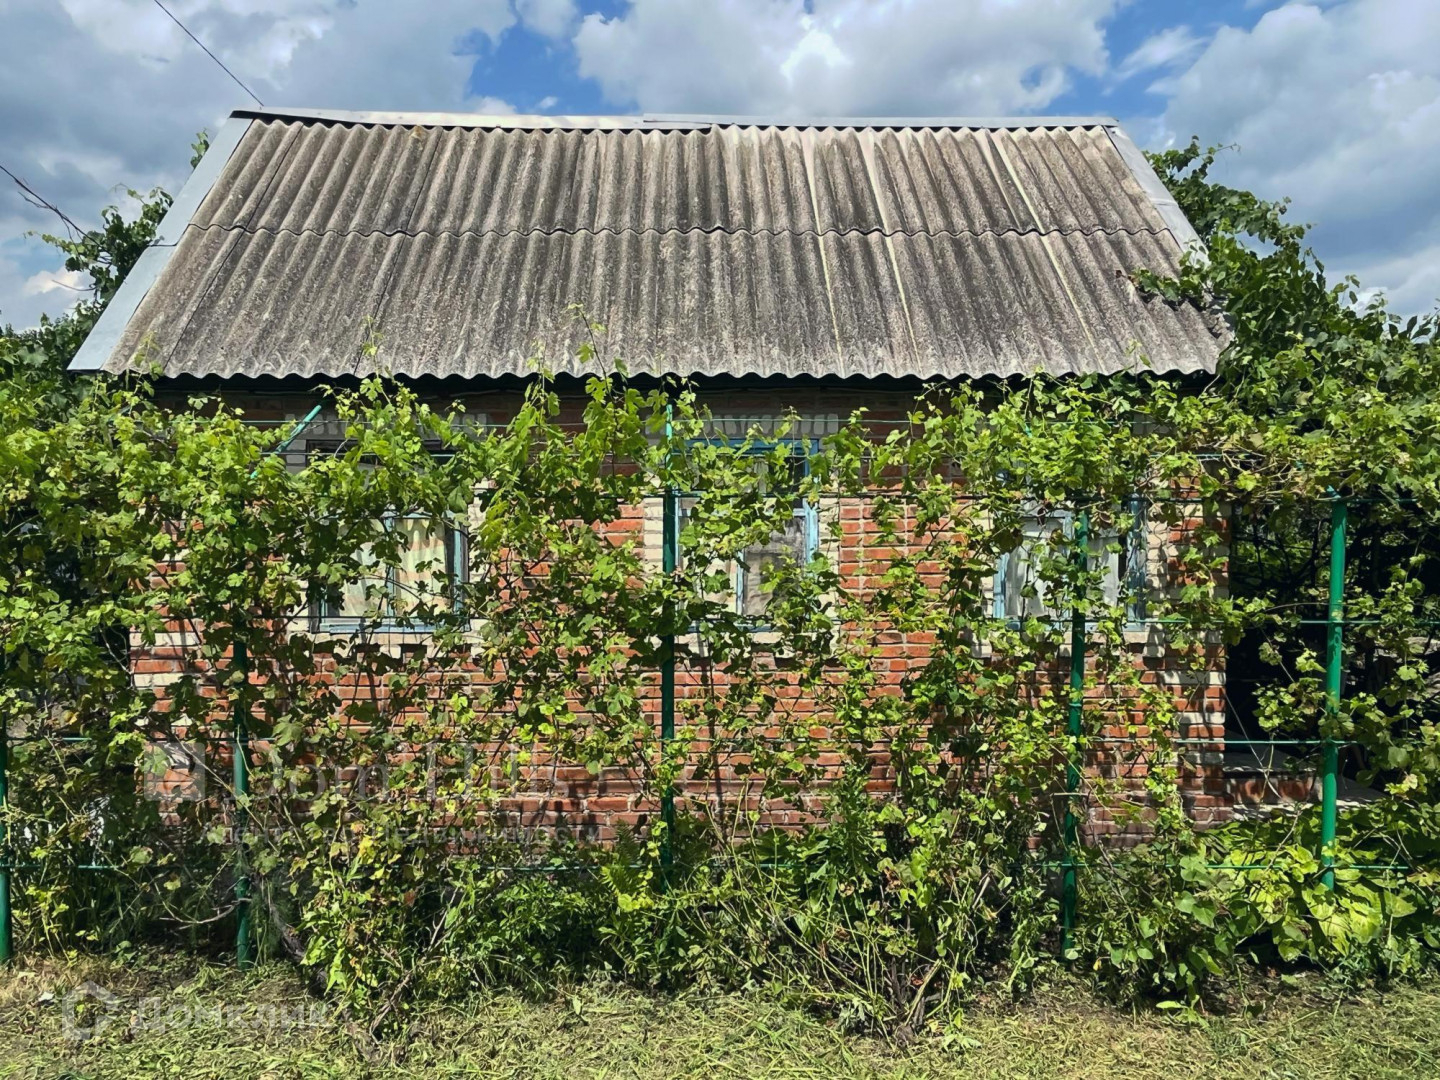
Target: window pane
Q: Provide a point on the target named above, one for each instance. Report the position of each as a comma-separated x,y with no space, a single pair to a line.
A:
1022,569
684,509
419,576
360,597
793,470
1108,562
789,545
742,581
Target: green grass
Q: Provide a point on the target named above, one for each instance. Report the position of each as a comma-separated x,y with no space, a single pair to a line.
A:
1062,1033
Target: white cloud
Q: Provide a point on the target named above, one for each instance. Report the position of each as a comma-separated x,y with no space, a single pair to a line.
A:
962,57
137,90
490,106
1410,282
1337,106
552,18
21,297
72,282
1168,48
333,47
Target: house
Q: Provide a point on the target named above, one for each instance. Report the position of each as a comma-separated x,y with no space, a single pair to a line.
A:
811,267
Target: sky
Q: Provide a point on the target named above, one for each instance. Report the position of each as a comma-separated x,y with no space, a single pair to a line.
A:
1334,103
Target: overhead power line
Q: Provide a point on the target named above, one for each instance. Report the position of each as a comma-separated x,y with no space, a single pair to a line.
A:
208,53
35,199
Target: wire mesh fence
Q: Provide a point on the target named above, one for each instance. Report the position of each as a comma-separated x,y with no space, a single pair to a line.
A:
1067,609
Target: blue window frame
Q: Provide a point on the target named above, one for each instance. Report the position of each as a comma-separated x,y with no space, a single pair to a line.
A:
1020,593
799,540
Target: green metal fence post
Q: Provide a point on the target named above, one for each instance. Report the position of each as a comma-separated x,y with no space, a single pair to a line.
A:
240,753
1334,676
6,945
1074,726
240,750
670,543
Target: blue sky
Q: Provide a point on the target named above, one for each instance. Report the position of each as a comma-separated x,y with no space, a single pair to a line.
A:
1333,102
538,73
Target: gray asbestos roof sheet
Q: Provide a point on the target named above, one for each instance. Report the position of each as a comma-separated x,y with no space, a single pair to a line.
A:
702,247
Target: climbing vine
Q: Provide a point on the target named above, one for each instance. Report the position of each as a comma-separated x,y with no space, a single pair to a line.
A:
935,745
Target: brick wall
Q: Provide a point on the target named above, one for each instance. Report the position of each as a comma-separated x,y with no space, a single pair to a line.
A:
551,795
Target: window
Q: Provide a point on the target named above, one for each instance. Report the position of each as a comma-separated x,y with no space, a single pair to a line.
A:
429,554
796,542
1021,591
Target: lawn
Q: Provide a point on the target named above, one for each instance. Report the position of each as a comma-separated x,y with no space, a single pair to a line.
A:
174,1017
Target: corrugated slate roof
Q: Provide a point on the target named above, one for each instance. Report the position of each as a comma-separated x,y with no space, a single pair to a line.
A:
462,244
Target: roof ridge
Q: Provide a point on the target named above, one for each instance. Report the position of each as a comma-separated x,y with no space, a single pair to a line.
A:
1079,230
656,121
